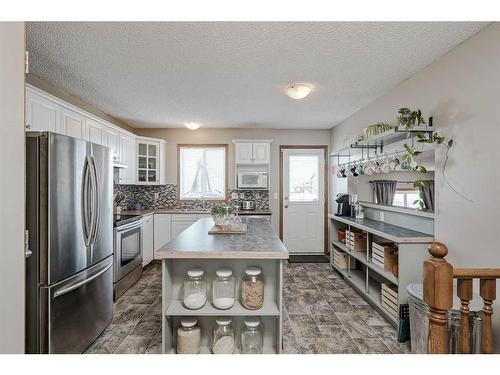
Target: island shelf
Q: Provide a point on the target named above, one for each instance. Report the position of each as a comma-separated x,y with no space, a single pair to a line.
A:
194,247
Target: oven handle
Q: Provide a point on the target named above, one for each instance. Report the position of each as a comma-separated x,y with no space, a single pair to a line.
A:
135,224
81,283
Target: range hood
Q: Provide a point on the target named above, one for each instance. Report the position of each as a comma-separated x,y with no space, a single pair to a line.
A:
117,164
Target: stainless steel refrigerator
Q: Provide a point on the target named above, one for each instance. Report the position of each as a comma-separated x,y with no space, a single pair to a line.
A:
69,219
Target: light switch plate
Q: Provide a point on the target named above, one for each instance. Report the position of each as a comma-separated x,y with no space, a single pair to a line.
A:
157,196
234,195
242,195
257,195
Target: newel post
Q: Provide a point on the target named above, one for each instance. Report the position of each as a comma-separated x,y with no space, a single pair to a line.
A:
438,294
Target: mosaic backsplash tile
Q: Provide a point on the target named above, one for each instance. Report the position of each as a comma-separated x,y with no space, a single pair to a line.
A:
127,196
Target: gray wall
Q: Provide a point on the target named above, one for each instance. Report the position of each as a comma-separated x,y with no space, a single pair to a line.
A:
204,135
12,187
461,91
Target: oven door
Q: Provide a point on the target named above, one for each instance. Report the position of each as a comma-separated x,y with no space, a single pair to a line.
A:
128,248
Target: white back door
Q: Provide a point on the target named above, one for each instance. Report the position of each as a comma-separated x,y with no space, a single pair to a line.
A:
303,200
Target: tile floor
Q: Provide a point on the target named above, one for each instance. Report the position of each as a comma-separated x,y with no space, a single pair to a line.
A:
322,315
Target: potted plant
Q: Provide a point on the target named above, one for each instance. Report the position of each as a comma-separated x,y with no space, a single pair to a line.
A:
220,212
409,119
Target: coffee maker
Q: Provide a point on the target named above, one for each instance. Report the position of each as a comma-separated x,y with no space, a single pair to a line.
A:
343,204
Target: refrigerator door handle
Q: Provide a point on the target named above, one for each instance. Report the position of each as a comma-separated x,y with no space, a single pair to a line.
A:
70,288
85,202
96,186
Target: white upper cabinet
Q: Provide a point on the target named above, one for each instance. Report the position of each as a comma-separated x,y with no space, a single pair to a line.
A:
95,131
145,159
41,113
243,153
261,153
252,152
150,161
127,157
112,140
72,124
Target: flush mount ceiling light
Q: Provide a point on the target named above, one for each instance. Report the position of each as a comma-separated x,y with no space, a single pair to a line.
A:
192,125
298,90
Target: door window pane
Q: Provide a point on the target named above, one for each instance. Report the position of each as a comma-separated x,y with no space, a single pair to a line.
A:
303,178
202,172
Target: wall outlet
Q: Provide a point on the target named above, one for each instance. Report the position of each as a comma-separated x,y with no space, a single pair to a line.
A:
157,196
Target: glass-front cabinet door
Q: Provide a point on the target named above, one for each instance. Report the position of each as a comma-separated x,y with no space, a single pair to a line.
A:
147,163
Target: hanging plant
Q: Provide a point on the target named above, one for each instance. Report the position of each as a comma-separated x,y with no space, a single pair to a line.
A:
409,119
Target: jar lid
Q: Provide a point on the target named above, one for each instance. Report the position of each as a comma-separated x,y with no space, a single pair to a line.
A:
252,322
224,272
223,321
253,271
189,322
195,272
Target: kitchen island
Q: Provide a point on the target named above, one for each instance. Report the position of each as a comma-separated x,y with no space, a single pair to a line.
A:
195,248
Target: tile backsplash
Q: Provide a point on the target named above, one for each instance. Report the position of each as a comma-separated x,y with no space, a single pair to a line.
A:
129,195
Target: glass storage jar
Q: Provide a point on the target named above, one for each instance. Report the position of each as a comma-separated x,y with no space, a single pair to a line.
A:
252,288
223,341
251,336
223,289
195,289
188,337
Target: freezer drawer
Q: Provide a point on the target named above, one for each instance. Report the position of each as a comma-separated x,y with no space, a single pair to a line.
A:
80,308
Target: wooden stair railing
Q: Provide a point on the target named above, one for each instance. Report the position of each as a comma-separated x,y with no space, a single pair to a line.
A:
438,294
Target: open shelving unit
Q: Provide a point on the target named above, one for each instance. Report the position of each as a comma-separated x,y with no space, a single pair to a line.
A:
173,310
367,278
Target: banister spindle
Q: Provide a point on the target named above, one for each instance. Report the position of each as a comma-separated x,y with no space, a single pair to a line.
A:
438,294
488,293
464,292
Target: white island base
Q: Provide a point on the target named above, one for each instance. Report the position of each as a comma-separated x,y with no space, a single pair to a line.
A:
177,257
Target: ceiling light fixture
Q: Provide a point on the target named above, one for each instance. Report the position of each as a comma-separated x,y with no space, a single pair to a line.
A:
298,90
192,125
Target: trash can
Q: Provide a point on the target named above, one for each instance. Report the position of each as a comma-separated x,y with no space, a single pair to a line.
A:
419,321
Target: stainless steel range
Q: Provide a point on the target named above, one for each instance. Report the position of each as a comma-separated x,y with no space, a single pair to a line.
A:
127,252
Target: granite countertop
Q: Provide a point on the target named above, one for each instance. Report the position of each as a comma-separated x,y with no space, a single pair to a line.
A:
386,230
189,211
260,242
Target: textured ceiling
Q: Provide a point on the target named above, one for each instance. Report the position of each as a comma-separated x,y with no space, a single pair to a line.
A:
230,74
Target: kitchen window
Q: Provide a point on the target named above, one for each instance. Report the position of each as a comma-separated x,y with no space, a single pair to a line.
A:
406,197
202,172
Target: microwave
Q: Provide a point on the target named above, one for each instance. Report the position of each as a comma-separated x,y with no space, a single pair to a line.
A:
252,180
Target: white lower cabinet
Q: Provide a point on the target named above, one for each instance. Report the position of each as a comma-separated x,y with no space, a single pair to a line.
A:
180,226
147,240
162,230
180,222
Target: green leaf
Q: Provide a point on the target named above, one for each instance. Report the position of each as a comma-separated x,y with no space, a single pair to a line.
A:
423,169
416,201
450,143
